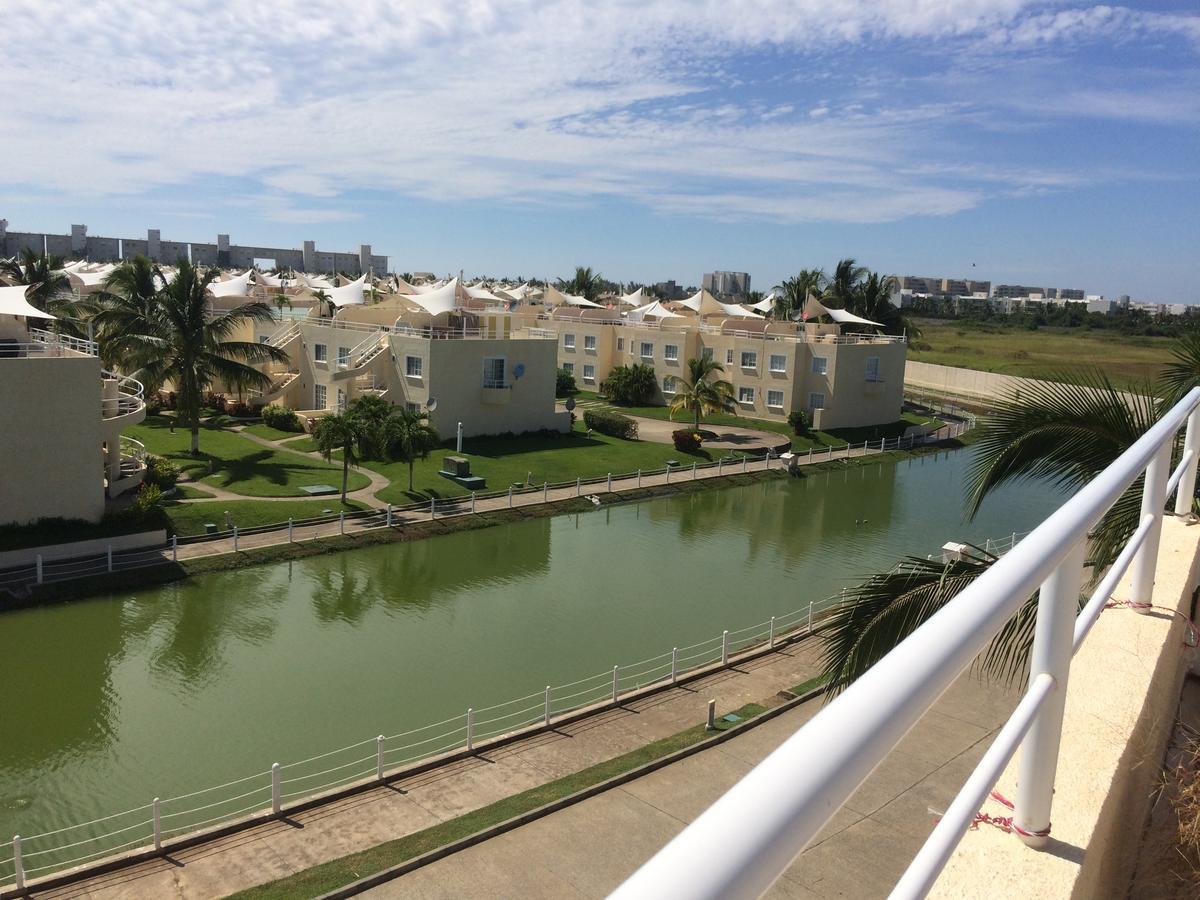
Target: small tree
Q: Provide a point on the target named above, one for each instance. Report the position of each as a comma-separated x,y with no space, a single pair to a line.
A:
408,436
700,396
799,422
339,432
564,383
631,385
370,414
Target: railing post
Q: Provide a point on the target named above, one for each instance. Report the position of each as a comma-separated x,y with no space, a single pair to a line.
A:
668,471
472,501
18,865
810,612
39,568
510,496
470,729
610,482
829,455
275,789
745,463
291,526
725,648
110,557
389,515
157,825
674,665
342,522
433,507
771,633
1058,602
547,704
721,465
174,548
235,539
639,478
379,757
693,470
616,683
1187,484
578,485
545,491
711,724
1153,500
810,450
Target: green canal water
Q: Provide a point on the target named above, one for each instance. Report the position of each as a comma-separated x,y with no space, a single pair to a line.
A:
112,701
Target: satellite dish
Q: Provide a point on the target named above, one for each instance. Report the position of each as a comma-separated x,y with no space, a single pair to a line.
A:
570,404
518,370
431,404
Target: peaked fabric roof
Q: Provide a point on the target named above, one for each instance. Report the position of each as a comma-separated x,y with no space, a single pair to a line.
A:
430,288
655,309
766,304
404,287
555,297
707,305
348,294
814,307
13,303
482,293
234,287
637,298
269,280
317,282
438,301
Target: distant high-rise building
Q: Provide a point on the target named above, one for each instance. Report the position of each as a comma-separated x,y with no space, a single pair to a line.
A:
727,284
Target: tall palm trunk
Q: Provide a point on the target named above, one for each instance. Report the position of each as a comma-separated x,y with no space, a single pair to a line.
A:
195,428
696,410
345,470
411,463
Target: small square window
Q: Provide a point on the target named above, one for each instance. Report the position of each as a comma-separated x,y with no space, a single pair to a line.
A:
569,368
320,354
671,351
707,352
729,357
569,341
816,401
343,356
775,399
620,345
589,342
413,366
749,359
320,396
745,395
668,384
647,350
820,365
778,362
589,373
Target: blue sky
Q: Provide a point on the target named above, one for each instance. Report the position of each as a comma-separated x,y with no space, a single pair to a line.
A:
1053,144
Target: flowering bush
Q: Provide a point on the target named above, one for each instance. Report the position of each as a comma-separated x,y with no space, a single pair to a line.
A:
686,440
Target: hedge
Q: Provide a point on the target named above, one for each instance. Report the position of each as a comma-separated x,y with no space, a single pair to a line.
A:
611,423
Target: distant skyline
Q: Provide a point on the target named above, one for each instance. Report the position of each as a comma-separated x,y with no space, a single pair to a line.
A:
1053,144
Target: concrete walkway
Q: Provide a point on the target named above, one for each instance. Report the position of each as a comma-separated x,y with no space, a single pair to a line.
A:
276,848
728,437
588,849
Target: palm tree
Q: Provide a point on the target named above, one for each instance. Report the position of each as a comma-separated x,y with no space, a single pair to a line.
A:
129,295
339,431
793,293
873,300
1183,372
325,303
176,341
281,300
586,283
408,436
843,286
1064,434
371,413
51,291
700,396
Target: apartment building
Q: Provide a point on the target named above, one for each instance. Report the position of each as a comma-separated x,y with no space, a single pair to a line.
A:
726,284
64,416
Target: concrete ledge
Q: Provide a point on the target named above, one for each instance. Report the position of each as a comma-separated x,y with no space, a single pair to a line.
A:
27,556
1121,700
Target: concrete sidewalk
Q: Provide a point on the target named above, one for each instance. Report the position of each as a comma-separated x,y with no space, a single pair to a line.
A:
588,849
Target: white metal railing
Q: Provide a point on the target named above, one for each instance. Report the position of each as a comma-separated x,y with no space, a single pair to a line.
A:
130,395
47,343
744,841
674,327
154,823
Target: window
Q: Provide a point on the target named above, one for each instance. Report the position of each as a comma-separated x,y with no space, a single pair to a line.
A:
412,407
320,354
707,352
729,357
319,399
620,345
341,400
569,368
745,395
343,356
671,351
589,372
778,362
413,366
816,401
749,359
493,372
647,350
668,384
775,399
589,342
820,365
873,368
568,342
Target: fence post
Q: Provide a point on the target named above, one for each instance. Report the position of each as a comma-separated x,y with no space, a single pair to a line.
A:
1146,560
674,665
578,485
693,470
275,788
235,539
470,729
745,463
433,507
510,496
39,568
389,515
157,825
810,612
771,633
174,548
110,557
610,482
725,648
616,683
342,522
639,477
547,704
545,491
810,450
1187,484
1057,604
379,757
829,456
472,501
711,724
668,471
18,866
291,525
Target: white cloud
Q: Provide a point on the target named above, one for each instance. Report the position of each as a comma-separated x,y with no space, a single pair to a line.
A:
515,102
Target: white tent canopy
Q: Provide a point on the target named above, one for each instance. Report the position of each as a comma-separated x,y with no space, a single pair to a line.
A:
637,298
517,293
316,282
404,287
706,304
430,288
13,303
268,280
482,293
88,279
436,302
655,309
766,304
555,297
238,286
815,308
348,294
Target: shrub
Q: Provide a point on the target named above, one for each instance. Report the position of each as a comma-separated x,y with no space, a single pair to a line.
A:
611,423
631,385
149,498
686,440
280,417
160,472
564,383
215,402
238,410
799,422
154,404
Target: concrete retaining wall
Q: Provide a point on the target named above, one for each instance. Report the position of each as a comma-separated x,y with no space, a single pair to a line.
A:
28,556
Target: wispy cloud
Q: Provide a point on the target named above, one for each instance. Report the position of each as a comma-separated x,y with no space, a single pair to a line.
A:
675,105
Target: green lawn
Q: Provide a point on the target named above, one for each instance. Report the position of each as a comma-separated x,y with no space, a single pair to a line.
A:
303,445
190,518
1048,353
238,464
271,434
190,492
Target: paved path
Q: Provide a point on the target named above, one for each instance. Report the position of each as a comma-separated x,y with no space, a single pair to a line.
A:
588,849
729,437
275,848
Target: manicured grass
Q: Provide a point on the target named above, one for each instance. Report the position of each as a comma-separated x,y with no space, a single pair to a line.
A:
303,445
810,685
336,873
190,492
271,434
529,458
1048,353
190,518
238,464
